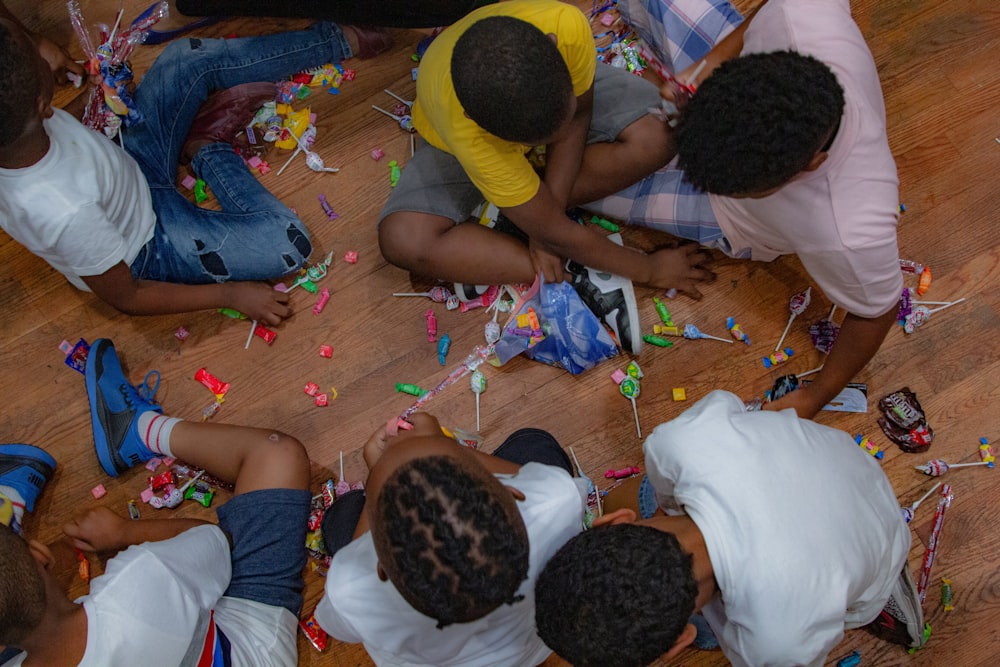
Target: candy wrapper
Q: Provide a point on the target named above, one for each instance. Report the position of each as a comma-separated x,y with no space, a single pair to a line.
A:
903,421
568,334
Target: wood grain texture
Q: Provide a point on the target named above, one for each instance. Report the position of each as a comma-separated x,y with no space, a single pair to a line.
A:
937,62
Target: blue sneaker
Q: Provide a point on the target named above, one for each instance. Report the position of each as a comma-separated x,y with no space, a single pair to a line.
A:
115,406
26,469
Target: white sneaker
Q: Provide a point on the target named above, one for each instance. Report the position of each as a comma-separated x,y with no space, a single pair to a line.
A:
612,299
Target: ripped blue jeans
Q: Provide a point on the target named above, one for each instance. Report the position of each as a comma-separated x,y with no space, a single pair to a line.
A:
254,236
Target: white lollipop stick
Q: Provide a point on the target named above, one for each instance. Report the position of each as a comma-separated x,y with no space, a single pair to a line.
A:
298,149
253,327
427,294
785,332
387,113
815,370
933,303
909,511
635,411
934,310
967,465
388,92
724,340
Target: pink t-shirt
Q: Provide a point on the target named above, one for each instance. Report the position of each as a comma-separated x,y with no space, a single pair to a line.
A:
840,219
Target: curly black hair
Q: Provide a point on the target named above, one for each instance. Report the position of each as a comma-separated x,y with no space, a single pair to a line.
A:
757,121
22,591
511,79
19,81
615,596
452,541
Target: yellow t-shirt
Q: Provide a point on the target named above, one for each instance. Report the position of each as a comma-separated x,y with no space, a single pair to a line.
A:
497,167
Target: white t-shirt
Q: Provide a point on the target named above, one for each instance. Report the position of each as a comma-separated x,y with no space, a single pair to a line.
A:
152,607
802,527
840,219
358,607
83,208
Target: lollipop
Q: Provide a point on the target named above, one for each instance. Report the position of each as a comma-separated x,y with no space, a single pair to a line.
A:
916,318
736,331
938,467
478,384
437,294
797,304
909,511
692,332
492,332
342,485
593,494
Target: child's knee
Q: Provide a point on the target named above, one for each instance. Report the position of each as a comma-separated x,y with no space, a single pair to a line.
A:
405,239
290,456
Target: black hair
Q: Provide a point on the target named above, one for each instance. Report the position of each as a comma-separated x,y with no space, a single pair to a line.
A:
451,544
615,596
757,121
511,79
20,85
22,590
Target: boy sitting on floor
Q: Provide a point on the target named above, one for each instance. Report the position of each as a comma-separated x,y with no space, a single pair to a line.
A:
502,79
782,150
434,563
182,591
780,553
113,222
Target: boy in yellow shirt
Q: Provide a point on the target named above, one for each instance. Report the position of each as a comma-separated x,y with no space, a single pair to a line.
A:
505,78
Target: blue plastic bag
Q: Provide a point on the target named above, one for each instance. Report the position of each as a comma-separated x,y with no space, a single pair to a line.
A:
574,338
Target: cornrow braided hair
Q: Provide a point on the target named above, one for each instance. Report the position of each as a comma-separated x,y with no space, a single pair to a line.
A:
449,544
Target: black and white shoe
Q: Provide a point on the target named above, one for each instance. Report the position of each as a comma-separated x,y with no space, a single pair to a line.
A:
612,299
901,621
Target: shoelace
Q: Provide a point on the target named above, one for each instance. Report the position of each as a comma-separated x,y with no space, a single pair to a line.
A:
145,391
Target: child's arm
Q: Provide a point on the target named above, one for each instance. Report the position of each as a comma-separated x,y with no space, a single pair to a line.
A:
546,224
857,343
57,58
101,530
730,47
563,157
132,296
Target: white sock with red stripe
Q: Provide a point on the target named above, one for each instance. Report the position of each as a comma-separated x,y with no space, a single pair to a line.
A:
154,430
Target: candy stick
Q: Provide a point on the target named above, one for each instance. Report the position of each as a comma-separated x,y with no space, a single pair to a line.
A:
797,305
478,384
909,511
469,364
815,370
938,467
932,542
253,327
949,305
298,149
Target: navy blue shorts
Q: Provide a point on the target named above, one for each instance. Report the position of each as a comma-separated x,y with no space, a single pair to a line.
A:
268,533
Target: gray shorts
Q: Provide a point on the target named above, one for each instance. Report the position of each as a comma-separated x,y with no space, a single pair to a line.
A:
434,181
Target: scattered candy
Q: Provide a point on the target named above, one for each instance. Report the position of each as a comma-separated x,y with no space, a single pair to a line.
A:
868,446
661,310
351,256
200,193
627,471
492,332
342,486
393,173
824,333
324,296
903,421
311,388
443,346
181,334
330,213
678,394
214,384
432,326
313,632
779,357
797,305
377,154
933,541
986,454
325,351
666,330
736,331
658,341
947,597
468,365
322,400
99,491
133,510
852,660
264,333
188,182
411,389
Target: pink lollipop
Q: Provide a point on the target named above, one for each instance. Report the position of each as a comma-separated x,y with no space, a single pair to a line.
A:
342,485
797,304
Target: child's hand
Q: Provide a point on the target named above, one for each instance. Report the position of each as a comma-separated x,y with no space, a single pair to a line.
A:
58,60
550,266
375,446
259,301
682,268
98,530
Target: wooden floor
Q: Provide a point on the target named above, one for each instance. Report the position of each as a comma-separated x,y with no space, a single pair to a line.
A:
942,90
